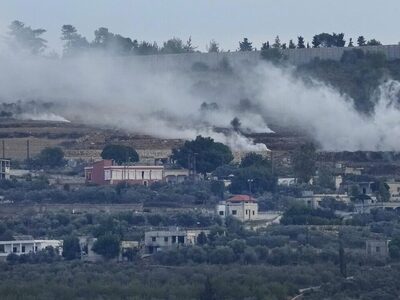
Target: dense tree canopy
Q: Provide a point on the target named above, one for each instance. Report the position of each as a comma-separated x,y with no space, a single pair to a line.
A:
204,152
357,74
71,248
245,45
74,43
50,157
253,176
26,38
304,160
328,40
107,245
213,47
120,154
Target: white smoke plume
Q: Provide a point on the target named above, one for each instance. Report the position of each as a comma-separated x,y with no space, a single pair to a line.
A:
126,94
329,117
117,92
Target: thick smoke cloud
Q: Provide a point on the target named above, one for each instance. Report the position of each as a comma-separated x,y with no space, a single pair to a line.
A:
101,90
124,93
329,117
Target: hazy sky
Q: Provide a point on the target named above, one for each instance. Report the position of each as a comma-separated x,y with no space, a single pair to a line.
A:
226,21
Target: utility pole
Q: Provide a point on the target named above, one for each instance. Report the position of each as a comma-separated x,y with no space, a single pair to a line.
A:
27,150
272,163
342,257
250,182
194,166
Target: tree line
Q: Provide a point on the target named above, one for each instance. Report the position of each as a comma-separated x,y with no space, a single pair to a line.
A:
30,39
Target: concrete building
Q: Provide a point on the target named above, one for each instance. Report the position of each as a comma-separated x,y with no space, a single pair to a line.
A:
348,170
87,254
377,248
126,247
5,168
338,182
287,181
175,175
242,207
313,201
394,189
27,244
106,172
161,239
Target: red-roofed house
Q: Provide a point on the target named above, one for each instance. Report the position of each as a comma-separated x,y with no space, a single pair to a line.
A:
242,207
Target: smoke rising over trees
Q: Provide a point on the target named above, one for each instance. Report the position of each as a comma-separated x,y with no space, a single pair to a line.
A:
166,100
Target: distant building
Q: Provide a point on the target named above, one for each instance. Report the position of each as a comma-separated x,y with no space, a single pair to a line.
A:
338,182
314,201
5,168
127,246
175,175
27,244
394,189
161,239
353,170
287,181
87,254
377,248
242,207
106,172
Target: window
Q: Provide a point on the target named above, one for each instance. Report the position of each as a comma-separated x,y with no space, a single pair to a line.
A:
14,249
23,249
173,239
181,239
2,250
221,213
153,238
165,239
234,212
254,212
247,211
142,174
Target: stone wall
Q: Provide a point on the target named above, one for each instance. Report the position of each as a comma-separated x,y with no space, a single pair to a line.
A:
294,56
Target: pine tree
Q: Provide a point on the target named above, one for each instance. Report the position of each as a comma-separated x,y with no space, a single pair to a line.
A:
291,45
300,42
350,43
361,41
277,43
265,46
245,45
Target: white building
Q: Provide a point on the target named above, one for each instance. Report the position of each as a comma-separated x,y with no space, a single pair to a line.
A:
287,181
160,239
26,244
242,207
394,189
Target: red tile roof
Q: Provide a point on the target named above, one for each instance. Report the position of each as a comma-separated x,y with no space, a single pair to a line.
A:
241,198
